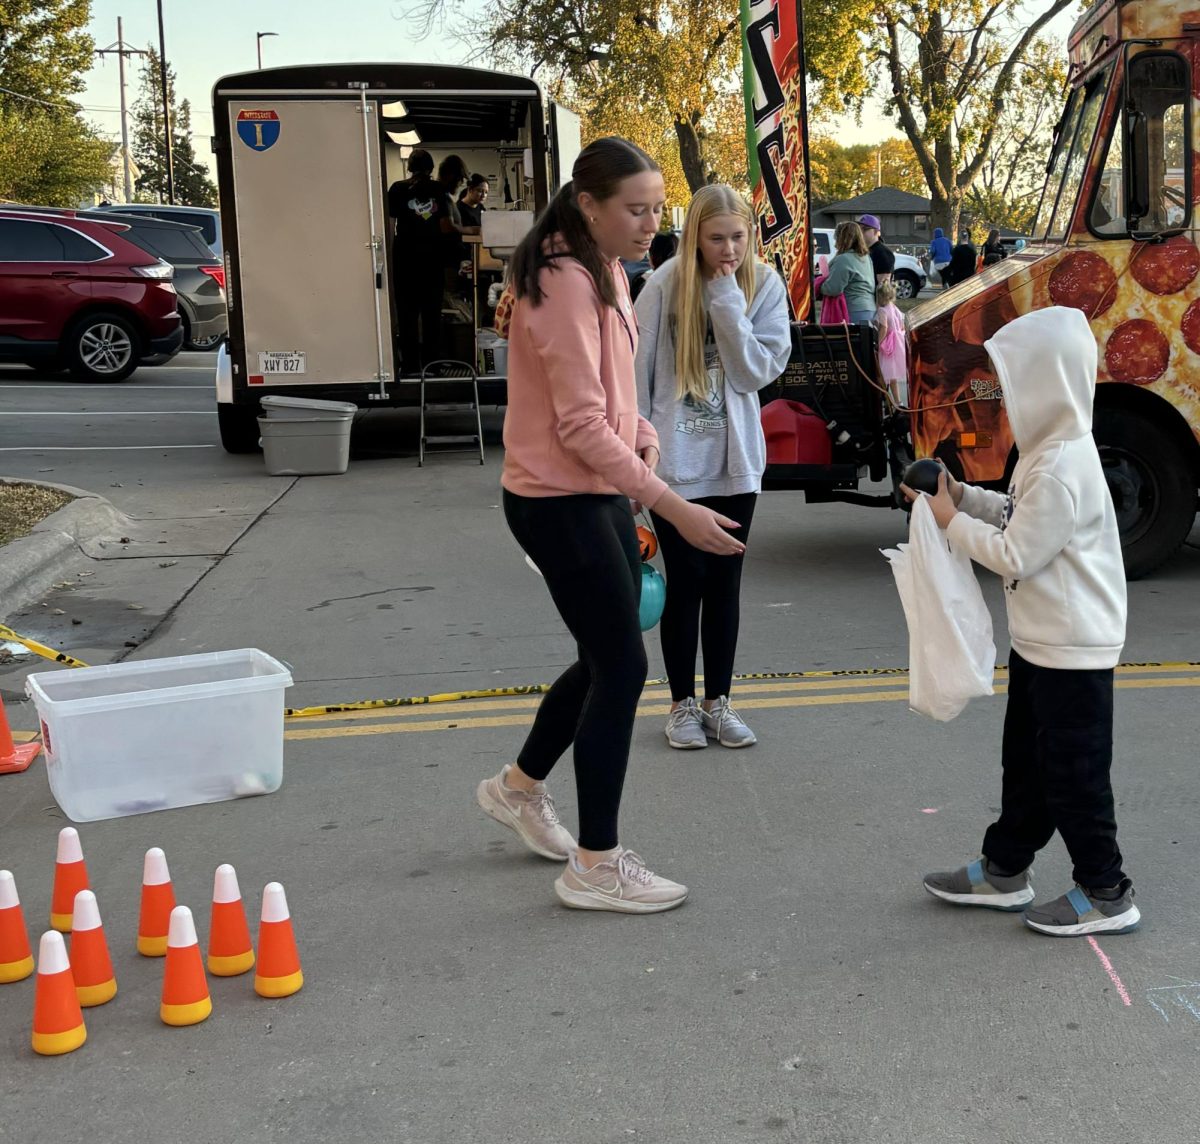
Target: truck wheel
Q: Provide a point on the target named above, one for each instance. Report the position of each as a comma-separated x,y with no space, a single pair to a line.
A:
103,347
907,284
239,427
1152,484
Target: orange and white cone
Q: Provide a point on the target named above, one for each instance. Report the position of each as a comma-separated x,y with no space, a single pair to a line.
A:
14,757
70,876
158,900
278,973
57,1019
16,962
185,999
95,982
229,948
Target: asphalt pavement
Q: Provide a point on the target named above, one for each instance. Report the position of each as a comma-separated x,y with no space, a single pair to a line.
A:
809,990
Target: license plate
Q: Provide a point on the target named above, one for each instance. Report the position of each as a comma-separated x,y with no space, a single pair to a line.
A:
280,361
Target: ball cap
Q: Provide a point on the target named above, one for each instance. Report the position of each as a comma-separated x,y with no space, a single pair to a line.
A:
869,221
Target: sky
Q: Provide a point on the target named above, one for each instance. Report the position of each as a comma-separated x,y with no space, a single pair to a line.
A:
209,39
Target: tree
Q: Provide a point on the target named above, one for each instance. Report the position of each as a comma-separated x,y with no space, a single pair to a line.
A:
193,187
48,155
953,66
839,173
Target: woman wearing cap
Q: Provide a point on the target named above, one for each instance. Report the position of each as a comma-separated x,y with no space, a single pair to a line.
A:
851,273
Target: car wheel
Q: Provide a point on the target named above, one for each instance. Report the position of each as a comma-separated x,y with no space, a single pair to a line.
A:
907,284
1152,485
239,427
202,345
103,347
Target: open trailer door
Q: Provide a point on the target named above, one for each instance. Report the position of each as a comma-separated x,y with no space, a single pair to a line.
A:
310,234
565,144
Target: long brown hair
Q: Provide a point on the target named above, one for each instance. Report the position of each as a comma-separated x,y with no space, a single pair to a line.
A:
849,237
598,171
691,317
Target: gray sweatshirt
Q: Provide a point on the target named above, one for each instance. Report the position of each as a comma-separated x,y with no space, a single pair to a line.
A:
713,447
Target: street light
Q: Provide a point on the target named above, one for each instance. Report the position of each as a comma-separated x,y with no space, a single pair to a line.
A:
162,79
258,39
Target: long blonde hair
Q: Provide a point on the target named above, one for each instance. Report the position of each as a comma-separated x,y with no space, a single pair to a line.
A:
691,319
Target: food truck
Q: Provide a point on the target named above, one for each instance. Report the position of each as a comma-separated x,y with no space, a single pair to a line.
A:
304,158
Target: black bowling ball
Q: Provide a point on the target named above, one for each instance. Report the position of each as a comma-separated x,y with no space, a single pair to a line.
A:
922,476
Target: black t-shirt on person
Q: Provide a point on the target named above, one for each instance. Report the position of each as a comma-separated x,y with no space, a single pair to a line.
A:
418,206
882,259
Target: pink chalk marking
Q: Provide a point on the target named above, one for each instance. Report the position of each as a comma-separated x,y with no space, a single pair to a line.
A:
929,810
1122,992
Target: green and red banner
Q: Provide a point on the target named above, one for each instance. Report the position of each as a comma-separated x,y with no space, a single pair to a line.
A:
777,139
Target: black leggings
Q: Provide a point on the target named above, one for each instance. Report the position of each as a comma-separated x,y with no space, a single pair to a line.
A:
703,604
586,549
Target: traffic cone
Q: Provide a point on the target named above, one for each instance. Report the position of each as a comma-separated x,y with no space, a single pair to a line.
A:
185,999
278,973
229,948
158,900
95,982
16,962
57,1019
70,876
14,758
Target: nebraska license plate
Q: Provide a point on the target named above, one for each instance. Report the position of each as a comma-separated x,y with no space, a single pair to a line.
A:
280,361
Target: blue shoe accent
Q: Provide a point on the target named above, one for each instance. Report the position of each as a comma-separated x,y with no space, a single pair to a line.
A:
1079,902
975,872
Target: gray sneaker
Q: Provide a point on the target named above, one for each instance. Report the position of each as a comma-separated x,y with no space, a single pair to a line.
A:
531,815
725,725
1079,912
622,884
977,885
685,727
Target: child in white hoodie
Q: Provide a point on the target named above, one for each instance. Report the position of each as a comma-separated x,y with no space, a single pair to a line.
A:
1054,540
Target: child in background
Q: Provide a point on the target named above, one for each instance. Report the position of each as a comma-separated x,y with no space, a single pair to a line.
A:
893,343
1054,541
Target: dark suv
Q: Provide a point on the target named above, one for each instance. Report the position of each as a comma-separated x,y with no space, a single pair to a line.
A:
76,294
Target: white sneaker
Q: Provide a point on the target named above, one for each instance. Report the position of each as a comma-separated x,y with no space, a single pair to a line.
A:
621,883
531,814
685,727
725,725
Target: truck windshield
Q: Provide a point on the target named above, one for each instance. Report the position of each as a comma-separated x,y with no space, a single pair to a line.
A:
1071,150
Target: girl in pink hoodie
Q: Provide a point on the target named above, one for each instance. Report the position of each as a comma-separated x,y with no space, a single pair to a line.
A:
576,454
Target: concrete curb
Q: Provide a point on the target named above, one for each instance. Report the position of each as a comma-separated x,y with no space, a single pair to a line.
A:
30,565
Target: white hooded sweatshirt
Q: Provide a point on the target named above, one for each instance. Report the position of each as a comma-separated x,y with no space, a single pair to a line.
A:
1054,537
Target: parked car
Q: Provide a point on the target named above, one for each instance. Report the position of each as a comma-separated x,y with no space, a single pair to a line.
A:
199,274
909,276
76,294
207,219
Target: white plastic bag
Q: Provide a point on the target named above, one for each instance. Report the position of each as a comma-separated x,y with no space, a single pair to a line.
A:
951,654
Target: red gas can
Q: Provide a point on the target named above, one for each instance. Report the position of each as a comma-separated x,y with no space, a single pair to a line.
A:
795,435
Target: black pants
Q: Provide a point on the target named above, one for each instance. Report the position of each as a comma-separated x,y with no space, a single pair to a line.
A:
586,549
419,300
703,603
1057,755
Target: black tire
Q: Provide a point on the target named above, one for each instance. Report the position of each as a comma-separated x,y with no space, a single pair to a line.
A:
1153,486
102,347
239,427
907,284
213,343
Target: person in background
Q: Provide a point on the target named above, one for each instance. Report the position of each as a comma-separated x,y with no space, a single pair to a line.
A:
421,213
963,263
576,453
940,250
851,273
713,331
472,203
664,246
993,249
893,344
882,258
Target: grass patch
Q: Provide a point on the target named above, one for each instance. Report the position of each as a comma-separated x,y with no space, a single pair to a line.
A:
23,506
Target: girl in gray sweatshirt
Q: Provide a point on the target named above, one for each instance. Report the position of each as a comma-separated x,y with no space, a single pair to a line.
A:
713,331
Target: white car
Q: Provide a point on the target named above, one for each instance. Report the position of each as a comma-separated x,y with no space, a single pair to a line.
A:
909,275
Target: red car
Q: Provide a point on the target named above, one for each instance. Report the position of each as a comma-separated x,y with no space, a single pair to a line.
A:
76,295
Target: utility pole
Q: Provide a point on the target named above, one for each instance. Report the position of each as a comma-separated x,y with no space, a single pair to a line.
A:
166,105
121,49
258,39
878,167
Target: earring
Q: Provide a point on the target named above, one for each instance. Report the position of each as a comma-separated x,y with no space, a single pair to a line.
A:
592,220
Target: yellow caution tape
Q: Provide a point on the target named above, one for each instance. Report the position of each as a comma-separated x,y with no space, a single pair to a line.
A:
45,652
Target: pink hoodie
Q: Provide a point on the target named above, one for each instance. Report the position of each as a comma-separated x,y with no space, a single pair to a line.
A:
572,424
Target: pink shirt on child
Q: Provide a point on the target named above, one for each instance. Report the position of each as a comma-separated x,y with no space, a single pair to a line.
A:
572,424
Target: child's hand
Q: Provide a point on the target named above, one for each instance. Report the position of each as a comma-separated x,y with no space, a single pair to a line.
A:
943,504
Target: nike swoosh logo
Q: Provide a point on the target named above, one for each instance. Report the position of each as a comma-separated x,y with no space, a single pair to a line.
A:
613,893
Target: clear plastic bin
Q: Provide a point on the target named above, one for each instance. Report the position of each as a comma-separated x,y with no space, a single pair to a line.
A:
159,733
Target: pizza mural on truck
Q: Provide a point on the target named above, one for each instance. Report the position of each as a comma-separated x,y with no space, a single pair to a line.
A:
1142,300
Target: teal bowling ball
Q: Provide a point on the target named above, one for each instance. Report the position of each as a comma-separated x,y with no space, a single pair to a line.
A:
654,596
